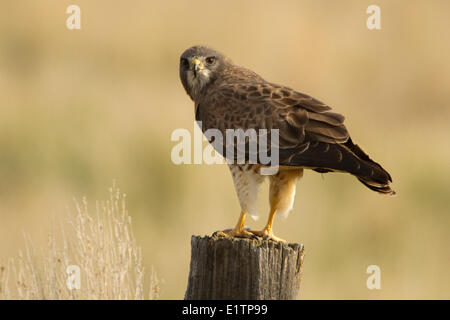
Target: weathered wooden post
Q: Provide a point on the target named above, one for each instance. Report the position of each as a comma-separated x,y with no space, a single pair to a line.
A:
224,268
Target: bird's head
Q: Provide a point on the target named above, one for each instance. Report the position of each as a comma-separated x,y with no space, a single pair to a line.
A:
199,67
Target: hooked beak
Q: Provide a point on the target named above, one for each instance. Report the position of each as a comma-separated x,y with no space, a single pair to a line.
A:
196,65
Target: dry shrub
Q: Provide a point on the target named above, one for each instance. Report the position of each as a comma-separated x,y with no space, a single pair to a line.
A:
101,247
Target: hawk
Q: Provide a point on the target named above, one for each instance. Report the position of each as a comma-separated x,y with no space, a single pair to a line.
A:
311,136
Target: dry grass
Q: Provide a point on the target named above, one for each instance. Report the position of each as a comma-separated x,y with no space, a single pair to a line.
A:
102,246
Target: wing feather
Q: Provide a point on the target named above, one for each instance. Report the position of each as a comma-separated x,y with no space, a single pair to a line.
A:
267,106
310,135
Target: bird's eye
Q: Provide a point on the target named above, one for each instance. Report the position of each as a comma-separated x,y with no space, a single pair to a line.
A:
210,60
184,62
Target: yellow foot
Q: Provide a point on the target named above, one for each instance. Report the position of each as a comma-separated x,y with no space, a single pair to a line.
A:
235,233
267,235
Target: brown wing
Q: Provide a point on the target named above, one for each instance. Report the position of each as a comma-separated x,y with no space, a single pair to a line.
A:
310,135
300,119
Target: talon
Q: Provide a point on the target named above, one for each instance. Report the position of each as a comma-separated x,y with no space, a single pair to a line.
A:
219,234
235,233
239,231
267,235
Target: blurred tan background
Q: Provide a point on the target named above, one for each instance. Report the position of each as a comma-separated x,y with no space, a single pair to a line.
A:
83,107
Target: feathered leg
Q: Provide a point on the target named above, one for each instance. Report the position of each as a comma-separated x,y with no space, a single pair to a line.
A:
246,182
281,197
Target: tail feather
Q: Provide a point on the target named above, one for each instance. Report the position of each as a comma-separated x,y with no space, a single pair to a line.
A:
346,157
385,189
370,173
